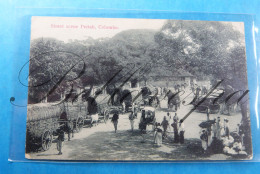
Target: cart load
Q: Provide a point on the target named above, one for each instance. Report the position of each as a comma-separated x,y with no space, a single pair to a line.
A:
173,100
42,121
127,99
208,103
147,117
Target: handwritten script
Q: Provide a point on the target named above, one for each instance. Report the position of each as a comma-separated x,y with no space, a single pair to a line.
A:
142,70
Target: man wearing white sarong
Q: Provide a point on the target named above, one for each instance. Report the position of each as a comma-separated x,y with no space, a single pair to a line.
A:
131,119
158,135
219,128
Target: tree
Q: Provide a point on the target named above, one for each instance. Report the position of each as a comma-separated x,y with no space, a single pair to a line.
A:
213,49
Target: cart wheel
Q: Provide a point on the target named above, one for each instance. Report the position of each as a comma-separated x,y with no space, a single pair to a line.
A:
46,140
79,124
106,116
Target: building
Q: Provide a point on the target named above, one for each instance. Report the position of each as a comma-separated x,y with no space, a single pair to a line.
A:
170,79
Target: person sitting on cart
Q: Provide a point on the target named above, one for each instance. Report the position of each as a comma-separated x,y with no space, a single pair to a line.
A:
115,120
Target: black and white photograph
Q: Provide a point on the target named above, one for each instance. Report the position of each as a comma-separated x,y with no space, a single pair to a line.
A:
118,89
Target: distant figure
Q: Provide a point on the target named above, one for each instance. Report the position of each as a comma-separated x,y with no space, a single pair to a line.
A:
115,120
182,86
208,111
204,90
123,105
61,137
131,119
198,90
176,117
165,125
158,135
168,116
135,110
94,119
169,119
175,87
185,85
178,88
181,129
69,126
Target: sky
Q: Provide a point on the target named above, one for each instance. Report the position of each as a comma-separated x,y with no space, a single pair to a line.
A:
71,28
44,27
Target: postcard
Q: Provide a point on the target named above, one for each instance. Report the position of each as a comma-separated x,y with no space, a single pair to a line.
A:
110,89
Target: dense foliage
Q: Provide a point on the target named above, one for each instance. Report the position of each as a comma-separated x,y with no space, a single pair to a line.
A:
208,50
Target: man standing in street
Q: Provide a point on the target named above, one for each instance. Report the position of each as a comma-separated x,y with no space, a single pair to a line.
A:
165,125
169,119
181,129
135,109
176,117
219,128
131,119
69,125
115,120
208,111
60,139
175,130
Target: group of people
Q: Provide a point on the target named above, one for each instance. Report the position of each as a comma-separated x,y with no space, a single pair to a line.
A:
217,137
215,132
162,133
132,117
161,130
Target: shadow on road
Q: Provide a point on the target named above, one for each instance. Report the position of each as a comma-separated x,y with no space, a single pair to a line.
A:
127,145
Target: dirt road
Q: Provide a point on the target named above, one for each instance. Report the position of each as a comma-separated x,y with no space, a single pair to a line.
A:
102,143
